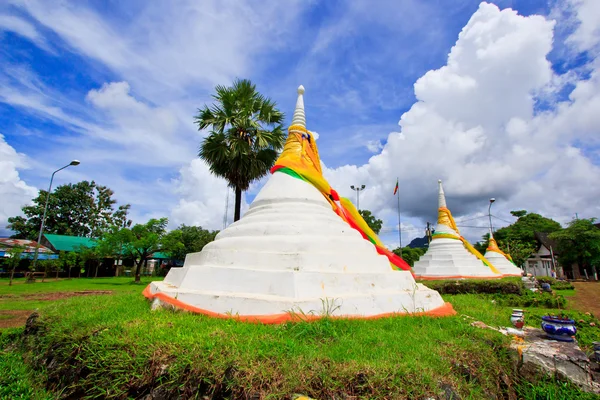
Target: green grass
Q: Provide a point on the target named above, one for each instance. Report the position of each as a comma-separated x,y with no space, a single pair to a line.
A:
402,357
120,349
26,296
566,293
17,380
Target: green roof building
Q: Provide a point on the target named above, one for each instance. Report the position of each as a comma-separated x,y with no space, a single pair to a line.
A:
66,243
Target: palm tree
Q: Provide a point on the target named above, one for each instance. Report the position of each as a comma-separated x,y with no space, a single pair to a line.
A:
245,138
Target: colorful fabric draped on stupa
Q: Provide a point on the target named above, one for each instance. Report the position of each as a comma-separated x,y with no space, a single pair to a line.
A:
299,250
502,261
445,218
300,159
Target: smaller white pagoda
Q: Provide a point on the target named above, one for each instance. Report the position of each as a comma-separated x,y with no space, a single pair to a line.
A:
500,260
449,255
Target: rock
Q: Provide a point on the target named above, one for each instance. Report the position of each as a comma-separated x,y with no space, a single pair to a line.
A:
32,325
551,357
448,392
479,324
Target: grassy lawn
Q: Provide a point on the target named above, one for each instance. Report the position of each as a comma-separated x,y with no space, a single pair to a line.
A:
31,296
121,349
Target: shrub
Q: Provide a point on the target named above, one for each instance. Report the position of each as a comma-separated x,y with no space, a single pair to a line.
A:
555,284
513,287
531,299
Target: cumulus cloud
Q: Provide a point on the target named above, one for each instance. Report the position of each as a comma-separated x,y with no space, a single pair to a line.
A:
476,126
151,133
202,197
374,146
587,33
14,192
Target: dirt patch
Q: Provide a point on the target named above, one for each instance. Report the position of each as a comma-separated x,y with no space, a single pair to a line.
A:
587,297
55,295
13,318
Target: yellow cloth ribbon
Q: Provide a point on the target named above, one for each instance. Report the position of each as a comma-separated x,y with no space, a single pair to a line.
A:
493,246
445,218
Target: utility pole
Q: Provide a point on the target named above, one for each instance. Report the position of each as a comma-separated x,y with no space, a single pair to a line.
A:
358,189
226,209
428,233
37,246
397,192
492,200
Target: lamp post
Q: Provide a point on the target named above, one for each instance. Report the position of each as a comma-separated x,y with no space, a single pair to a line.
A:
37,248
358,190
492,200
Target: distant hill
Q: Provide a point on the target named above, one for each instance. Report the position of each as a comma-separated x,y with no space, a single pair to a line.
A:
418,243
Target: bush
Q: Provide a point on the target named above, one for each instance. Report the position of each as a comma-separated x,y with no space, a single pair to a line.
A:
514,287
531,299
555,284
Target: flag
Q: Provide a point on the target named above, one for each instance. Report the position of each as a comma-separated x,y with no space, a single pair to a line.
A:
396,188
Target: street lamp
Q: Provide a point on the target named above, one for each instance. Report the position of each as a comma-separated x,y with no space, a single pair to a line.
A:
490,213
358,189
37,248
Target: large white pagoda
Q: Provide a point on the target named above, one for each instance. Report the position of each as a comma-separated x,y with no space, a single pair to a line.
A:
500,260
291,255
448,256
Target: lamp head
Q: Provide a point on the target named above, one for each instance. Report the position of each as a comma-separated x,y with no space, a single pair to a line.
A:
75,162
362,187
352,187
492,200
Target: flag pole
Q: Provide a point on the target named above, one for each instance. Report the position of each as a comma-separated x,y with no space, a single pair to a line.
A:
399,224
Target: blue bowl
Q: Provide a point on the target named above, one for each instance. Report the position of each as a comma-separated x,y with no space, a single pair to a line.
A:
556,328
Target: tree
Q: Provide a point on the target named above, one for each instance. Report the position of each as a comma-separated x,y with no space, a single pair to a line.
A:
245,138
112,243
13,260
67,260
579,243
51,265
523,230
88,255
518,213
80,209
141,241
186,239
410,254
374,223
519,251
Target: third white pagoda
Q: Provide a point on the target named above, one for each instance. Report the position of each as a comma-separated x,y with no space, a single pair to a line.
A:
449,255
500,260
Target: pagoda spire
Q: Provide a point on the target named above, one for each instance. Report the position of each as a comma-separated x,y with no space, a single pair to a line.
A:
299,117
441,196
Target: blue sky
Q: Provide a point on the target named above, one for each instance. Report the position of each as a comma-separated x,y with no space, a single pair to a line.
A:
116,85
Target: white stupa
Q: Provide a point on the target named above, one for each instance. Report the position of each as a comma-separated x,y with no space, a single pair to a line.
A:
447,256
292,252
499,260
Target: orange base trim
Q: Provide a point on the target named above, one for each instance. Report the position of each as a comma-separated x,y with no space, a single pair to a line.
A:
441,278
442,311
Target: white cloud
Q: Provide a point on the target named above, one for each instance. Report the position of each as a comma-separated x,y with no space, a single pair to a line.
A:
167,60
474,125
374,146
587,33
23,28
165,49
203,197
148,133
14,192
